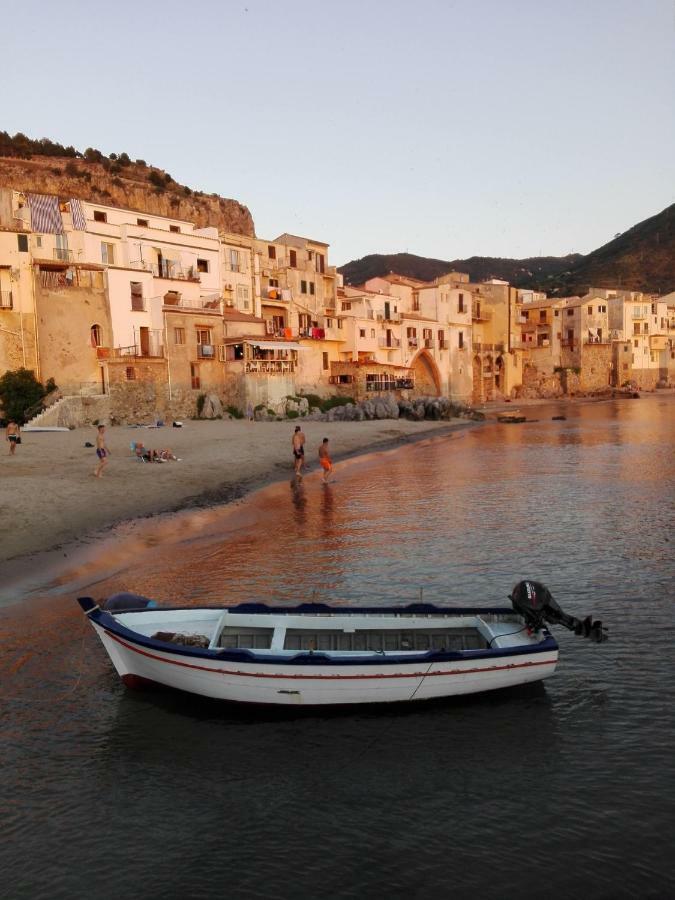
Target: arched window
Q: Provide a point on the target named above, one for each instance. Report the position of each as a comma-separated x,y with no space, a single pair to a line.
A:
95,335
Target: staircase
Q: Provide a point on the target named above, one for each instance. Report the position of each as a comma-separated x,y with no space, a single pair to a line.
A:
72,412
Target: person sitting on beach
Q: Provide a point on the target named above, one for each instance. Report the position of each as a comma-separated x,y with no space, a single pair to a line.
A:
149,455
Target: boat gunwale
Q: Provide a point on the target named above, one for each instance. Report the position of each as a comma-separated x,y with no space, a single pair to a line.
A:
110,625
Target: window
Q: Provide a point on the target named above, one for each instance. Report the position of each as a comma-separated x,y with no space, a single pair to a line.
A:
108,254
590,310
234,260
415,301
38,240
339,323
272,251
292,259
202,265
460,340
329,323
325,360
372,332
174,228
194,377
441,340
311,287
204,336
346,306
460,303
179,335
130,373
95,335
362,332
570,312
274,282
137,296
100,216
542,315
142,222
303,287
636,343
602,309
320,262
242,295
556,312
23,243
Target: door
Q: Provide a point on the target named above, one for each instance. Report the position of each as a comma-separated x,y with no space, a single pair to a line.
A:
145,341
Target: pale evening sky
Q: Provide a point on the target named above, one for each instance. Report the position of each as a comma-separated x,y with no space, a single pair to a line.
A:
489,127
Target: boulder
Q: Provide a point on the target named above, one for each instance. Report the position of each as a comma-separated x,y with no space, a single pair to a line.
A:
213,408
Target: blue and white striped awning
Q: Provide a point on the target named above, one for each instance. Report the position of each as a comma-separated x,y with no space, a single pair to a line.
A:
45,215
76,211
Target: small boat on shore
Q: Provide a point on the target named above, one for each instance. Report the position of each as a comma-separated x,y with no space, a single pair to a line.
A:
319,655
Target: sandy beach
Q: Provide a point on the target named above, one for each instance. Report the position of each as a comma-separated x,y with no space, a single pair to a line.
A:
49,495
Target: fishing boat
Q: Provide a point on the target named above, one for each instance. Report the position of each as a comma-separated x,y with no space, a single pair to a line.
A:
320,655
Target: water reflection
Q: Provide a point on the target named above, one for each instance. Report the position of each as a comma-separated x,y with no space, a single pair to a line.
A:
585,505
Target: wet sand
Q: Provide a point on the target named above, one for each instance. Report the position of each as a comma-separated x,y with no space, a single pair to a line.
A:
49,496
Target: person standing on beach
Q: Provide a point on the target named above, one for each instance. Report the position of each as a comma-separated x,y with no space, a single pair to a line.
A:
298,444
249,412
13,435
101,451
325,460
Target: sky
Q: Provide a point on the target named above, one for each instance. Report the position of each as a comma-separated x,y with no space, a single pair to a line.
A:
448,129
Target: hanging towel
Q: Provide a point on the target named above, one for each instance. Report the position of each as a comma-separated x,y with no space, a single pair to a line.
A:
45,214
76,211
288,333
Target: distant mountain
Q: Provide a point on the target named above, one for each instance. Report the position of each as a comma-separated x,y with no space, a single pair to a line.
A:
641,259
519,272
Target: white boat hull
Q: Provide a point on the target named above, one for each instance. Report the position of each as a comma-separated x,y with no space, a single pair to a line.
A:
272,683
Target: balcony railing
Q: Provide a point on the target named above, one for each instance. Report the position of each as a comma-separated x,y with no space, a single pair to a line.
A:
143,265
6,300
174,271
479,315
215,304
480,347
154,350
429,343
62,254
269,367
412,341
391,344
206,351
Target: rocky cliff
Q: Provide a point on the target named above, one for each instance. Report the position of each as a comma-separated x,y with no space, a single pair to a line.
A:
132,186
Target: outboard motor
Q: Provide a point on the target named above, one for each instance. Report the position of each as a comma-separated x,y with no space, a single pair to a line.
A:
536,605
126,602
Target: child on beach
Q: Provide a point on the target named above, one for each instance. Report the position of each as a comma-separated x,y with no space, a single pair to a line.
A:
325,460
101,451
13,435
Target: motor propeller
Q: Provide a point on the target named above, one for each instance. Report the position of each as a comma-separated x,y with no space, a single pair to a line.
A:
535,603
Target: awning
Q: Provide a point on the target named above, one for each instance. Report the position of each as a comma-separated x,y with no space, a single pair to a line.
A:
275,345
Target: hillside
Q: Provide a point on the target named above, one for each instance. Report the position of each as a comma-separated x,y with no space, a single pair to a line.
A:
519,272
640,259
114,182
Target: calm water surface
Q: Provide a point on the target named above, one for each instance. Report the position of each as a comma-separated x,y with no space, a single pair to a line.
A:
563,790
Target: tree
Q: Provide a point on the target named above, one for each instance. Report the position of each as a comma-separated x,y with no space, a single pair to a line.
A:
19,390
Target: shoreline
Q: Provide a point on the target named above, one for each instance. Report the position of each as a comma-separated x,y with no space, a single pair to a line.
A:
51,502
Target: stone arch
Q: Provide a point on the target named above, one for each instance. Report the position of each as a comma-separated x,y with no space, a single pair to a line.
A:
427,375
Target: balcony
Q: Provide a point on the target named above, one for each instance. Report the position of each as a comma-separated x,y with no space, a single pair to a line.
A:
272,293
174,271
62,254
212,303
429,343
316,334
478,315
391,344
206,351
6,300
269,367
153,350
412,342
142,265
498,348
